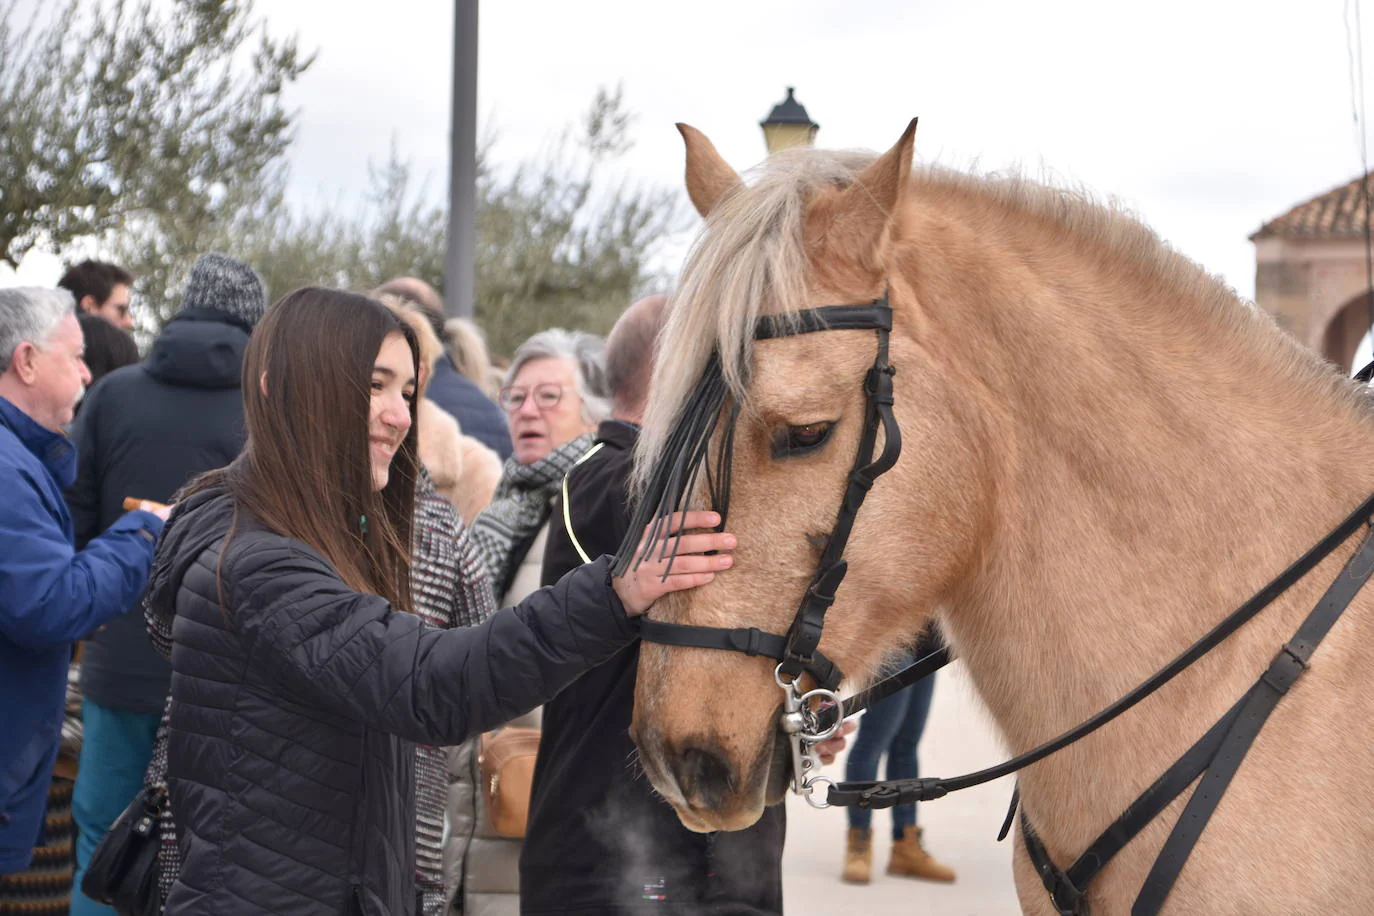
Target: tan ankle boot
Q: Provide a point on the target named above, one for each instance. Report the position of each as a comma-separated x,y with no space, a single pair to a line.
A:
910,859
858,856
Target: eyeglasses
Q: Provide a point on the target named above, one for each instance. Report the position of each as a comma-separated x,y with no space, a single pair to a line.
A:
546,397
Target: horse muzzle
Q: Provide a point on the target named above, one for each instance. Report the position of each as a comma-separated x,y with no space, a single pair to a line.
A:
705,787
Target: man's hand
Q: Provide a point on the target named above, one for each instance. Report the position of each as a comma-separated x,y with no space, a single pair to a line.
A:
147,505
830,747
644,584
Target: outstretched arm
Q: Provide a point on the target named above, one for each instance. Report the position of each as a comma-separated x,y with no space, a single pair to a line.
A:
353,654
51,594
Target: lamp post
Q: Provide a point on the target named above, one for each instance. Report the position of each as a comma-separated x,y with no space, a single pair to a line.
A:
788,125
460,279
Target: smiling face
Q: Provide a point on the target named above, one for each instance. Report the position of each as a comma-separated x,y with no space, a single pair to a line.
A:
393,395
544,408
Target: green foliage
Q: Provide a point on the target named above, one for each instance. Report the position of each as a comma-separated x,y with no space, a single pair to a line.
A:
559,241
392,235
562,241
155,124
152,133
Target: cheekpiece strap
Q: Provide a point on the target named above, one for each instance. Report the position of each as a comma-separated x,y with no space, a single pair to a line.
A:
804,635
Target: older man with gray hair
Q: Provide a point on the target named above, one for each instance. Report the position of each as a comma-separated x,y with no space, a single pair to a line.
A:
50,595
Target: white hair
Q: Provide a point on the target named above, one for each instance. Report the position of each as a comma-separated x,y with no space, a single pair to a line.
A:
585,351
32,314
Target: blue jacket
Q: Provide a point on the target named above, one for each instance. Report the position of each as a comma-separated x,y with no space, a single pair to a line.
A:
50,596
476,413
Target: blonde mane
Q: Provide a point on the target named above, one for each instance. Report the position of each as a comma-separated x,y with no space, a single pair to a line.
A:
750,260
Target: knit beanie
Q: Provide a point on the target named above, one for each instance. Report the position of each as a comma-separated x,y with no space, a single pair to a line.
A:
225,285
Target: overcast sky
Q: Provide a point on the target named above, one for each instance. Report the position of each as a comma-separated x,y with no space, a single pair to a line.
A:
1206,117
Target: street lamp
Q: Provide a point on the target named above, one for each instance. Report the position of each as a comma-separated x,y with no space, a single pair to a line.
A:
460,271
788,125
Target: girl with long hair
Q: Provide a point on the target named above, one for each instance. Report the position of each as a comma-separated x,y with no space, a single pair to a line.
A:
298,691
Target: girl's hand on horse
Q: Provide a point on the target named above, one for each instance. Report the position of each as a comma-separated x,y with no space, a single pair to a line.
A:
645,584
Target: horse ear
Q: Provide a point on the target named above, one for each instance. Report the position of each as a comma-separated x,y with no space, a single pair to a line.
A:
872,199
709,177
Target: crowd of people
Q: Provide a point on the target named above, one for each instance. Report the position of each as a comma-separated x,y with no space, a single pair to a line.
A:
206,552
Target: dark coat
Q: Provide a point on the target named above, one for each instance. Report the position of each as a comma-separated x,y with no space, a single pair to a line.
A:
145,431
296,703
50,596
599,837
477,414
107,347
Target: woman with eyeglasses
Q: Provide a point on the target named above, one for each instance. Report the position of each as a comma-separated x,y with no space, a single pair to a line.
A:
554,397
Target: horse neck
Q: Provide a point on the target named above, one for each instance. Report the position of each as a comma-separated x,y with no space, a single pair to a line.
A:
1159,460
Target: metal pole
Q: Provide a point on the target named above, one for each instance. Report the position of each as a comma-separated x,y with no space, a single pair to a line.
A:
460,276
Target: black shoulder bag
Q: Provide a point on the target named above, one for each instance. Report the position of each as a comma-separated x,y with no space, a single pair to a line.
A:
123,870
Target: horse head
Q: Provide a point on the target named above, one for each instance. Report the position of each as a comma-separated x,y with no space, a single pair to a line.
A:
810,229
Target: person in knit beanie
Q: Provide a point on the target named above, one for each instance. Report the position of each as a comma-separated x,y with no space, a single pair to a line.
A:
227,287
144,432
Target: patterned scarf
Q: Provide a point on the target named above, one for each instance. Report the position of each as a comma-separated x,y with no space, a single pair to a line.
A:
519,508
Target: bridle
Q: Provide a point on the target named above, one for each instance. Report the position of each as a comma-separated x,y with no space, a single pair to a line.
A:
798,651
809,717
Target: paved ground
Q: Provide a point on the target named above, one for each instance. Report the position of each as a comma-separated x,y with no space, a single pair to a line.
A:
960,829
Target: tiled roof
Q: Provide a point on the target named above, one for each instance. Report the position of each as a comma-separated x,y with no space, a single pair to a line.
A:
1339,213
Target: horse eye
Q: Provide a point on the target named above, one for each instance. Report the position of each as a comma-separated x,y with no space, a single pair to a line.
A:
798,440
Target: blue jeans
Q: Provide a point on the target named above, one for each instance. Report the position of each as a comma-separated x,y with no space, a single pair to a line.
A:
892,726
115,749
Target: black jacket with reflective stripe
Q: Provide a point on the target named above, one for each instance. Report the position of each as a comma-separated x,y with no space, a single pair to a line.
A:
600,840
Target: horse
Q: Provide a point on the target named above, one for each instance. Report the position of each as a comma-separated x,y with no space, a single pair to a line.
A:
1104,450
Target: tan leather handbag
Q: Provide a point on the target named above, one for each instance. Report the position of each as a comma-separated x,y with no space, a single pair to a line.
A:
506,760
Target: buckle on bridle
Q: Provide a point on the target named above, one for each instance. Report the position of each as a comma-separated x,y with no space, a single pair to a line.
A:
878,383
804,730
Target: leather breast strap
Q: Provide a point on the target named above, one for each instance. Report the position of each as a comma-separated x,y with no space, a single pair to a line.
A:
1216,756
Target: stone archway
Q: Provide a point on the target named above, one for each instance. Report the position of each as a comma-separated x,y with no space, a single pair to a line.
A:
1345,330
1310,271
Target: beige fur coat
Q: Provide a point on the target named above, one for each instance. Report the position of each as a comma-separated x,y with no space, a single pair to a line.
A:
465,471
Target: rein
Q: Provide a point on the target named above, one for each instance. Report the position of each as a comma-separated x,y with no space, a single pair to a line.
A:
813,716
901,792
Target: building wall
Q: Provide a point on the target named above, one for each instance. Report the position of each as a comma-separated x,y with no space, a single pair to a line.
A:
1306,284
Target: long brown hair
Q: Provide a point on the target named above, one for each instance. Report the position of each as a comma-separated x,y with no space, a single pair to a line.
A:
306,470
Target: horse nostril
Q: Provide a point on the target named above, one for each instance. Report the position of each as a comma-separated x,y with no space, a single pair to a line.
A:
704,776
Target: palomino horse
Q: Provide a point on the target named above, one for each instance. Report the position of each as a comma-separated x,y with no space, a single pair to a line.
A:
1104,452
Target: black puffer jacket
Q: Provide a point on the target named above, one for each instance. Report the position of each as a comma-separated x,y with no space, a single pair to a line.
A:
145,431
295,705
